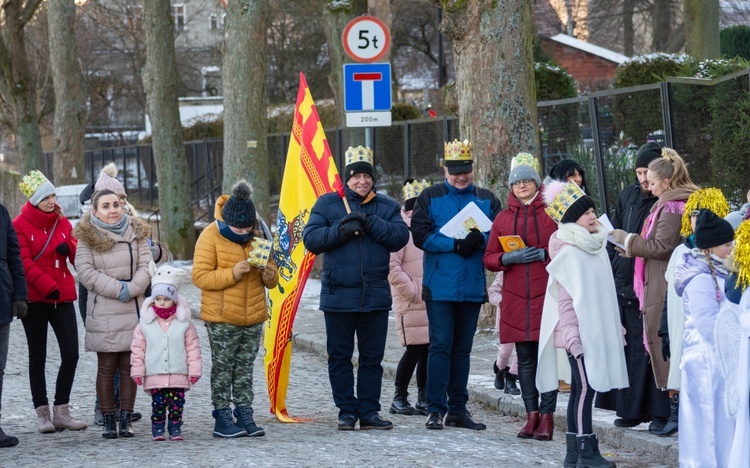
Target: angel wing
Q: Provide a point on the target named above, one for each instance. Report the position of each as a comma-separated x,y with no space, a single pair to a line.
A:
728,335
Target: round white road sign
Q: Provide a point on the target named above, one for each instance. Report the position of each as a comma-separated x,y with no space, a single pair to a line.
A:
366,39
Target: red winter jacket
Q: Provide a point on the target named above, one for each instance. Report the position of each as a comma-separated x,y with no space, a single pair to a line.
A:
50,271
524,285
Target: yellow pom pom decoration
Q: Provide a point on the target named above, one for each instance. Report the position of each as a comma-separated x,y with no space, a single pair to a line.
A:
741,254
704,199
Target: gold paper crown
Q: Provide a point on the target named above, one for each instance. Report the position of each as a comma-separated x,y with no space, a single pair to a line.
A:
413,189
358,154
741,254
704,199
564,200
458,151
525,159
32,181
260,253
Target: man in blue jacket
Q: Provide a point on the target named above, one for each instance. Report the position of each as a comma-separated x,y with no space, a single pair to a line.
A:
13,295
453,286
355,295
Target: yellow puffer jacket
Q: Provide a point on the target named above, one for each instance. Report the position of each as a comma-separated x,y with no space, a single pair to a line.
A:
223,299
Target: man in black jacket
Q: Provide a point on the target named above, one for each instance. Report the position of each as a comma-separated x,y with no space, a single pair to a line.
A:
13,296
641,401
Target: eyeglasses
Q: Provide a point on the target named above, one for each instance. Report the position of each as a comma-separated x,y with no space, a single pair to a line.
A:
523,181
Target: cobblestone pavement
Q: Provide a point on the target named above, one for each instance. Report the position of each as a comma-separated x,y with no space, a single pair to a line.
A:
316,443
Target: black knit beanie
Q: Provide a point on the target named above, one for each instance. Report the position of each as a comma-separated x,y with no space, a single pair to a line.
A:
646,154
577,209
358,167
239,210
560,170
711,230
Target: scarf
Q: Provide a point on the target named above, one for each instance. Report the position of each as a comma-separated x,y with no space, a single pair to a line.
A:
118,228
165,312
227,233
589,242
639,275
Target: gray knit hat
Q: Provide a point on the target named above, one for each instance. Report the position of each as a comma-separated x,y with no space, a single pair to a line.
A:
524,172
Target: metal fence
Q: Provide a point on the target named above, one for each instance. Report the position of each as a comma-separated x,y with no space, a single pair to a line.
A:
602,131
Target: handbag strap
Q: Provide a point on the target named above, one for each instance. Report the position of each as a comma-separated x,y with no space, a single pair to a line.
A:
49,238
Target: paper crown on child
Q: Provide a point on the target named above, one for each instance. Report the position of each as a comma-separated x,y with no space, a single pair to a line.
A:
413,189
166,274
741,254
704,199
565,201
36,187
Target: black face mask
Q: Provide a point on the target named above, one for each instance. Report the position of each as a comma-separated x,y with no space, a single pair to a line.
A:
227,232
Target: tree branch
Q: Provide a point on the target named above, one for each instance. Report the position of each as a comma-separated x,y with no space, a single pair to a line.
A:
28,12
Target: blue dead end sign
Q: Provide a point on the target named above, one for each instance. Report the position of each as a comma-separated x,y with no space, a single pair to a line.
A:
367,87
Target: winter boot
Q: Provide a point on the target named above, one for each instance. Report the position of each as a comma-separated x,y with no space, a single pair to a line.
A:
98,417
45,420
588,453
546,427
401,405
670,428
110,427
657,425
225,426
422,402
245,420
510,384
499,376
7,440
126,428
157,431
63,420
571,454
175,430
532,420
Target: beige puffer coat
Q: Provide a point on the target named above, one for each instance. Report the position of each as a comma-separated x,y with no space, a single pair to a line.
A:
406,288
103,259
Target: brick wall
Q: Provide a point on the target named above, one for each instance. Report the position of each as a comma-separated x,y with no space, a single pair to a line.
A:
591,72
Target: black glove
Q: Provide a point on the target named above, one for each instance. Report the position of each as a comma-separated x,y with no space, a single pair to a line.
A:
517,256
54,294
665,347
466,246
63,249
348,228
364,220
19,309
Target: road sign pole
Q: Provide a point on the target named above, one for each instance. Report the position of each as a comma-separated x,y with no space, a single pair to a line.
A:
368,137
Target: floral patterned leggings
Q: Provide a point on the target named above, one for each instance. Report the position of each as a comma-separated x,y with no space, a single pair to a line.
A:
167,401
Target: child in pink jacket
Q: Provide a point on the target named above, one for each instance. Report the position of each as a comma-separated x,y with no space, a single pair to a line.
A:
166,354
506,375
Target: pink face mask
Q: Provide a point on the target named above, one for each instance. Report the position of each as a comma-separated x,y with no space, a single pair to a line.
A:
165,312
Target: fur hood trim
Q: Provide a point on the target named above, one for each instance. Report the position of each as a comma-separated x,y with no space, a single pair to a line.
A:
148,315
98,241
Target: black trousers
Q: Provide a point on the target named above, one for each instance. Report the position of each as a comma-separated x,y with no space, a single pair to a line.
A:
526,353
581,398
62,318
415,356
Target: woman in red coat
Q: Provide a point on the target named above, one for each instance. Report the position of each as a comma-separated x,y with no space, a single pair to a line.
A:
44,236
525,282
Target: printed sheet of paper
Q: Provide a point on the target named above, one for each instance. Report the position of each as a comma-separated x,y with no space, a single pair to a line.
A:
604,219
466,219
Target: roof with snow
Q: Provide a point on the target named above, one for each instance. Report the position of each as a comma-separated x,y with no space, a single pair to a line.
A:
606,54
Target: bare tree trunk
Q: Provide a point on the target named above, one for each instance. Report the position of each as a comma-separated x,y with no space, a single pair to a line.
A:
70,110
492,43
335,18
244,78
628,32
17,87
662,24
702,28
161,83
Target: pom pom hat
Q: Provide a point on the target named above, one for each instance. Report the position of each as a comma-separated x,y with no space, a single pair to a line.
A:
711,230
565,201
458,158
36,187
703,199
358,161
524,167
239,209
107,180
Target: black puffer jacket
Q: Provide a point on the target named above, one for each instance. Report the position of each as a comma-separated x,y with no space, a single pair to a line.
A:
631,211
12,278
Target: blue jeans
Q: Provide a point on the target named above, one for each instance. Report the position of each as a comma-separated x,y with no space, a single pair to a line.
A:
371,329
452,328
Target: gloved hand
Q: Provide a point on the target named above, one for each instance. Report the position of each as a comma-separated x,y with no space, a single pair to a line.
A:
194,379
63,249
518,256
138,381
363,219
665,353
466,246
538,254
619,235
54,295
348,228
19,309
124,295
269,272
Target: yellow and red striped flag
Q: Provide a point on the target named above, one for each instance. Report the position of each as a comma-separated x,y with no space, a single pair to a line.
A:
310,172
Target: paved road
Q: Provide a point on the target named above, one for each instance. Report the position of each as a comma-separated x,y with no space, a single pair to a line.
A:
316,443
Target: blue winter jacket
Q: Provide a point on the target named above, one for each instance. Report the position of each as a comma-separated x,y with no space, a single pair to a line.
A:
447,275
12,278
355,270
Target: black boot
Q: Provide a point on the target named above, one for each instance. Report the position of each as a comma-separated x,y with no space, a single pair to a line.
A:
401,403
126,429
670,428
588,453
110,428
499,376
422,402
571,454
510,384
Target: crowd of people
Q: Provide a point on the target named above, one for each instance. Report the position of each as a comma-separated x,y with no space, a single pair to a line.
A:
647,319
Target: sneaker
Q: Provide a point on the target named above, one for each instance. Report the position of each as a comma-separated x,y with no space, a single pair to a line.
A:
374,422
347,422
